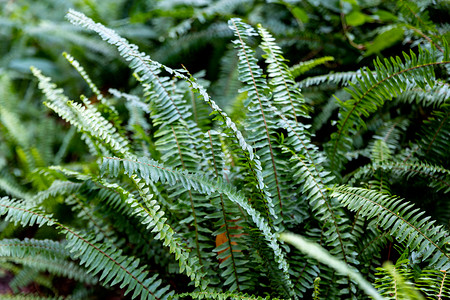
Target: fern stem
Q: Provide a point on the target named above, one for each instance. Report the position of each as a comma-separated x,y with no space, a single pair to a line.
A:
442,285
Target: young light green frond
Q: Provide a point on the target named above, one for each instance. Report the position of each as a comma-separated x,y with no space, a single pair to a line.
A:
405,222
315,251
393,282
389,79
151,171
303,67
112,266
435,284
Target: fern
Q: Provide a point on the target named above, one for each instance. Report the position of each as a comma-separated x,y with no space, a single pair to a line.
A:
403,220
152,171
110,263
388,80
434,283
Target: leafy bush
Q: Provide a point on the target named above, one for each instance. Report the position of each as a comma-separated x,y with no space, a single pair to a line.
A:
171,196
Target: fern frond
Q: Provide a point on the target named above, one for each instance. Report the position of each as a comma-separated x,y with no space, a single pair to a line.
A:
303,67
314,181
221,296
59,267
229,224
434,137
340,79
112,265
30,297
26,276
286,97
392,282
439,177
435,284
260,124
388,80
9,185
150,171
87,119
142,64
88,80
313,250
404,221
435,96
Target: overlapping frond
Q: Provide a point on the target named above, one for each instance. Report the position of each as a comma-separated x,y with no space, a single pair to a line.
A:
109,263
286,97
86,118
434,283
151,171
406,223
260,120
388,80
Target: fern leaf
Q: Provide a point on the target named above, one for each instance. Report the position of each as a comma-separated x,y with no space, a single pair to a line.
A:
150,171
30,297
286,97
87,119
406,223
142,64
260,123
389,80
221,296
435,284
112,265
392,282
305,66
315,251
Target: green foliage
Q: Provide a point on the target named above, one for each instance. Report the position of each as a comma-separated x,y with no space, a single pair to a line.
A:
149,187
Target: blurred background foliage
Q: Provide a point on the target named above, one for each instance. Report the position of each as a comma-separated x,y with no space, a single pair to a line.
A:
339,35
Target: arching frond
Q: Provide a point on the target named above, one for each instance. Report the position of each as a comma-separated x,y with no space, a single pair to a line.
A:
393,282
151,171
435,284
111,265
388,80
405,222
